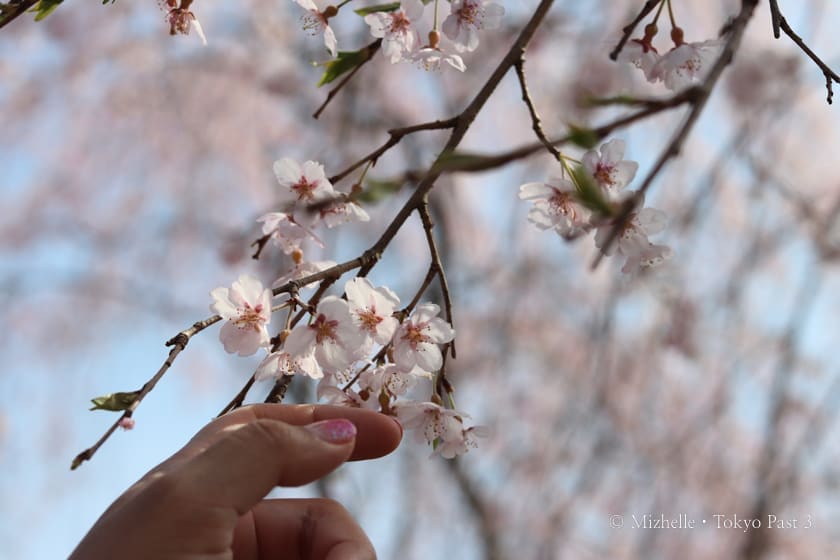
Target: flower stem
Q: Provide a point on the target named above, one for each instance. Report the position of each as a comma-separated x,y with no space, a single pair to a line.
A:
671,14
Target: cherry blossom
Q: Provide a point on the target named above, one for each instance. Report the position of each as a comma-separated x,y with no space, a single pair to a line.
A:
608,169
317,19
246,306
467,17
390,378
181,20
372,309
416,340
686,64
342,212
457,440
285,231
643,56
126,423
555,206
427,418
332,334
278,364
395,28
430,59
304,184
649,257
632,240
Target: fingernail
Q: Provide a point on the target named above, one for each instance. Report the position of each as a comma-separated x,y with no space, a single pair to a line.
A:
334,430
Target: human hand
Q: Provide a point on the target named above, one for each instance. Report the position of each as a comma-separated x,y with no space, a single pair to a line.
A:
206,501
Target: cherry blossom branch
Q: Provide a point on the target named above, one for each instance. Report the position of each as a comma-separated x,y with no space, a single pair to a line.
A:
630,27
14,8
395,135
369,258
698,103
437,267
178,343
780,23
370,50
536,123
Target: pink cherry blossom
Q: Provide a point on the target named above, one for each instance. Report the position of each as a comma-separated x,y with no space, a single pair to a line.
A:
608,169
395,28
431,58
342,212
649,257
416,341
247,308
390,378
429,420
642,55
278,364
467,17
455,439
632,240
285,231
372,309
182,20
304,184
126,423
336,340
555,206
317,21
686,64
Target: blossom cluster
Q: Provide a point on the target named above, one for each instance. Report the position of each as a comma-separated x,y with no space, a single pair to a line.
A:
682,66
363,350
558,204
398,26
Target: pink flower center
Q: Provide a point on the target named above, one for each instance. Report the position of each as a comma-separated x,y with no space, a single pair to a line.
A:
324,329
414,335
399,23
369,320
604,174
305,188
469,14
562,203
250,317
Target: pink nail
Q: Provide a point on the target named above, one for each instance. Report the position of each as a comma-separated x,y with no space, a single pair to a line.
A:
334,430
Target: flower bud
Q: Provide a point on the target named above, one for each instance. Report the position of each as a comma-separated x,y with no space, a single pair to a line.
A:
297,256
677,36
434,39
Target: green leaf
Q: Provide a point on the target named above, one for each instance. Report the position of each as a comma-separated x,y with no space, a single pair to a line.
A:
586,138
590,194
114,402
389,7
376,191
344,62
462,161
45,8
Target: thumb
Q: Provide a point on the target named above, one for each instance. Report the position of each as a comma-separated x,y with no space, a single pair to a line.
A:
250,459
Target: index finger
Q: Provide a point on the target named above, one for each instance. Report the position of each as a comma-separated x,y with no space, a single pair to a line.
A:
377,435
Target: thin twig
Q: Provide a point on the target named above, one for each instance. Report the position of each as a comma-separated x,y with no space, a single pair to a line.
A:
370,50
394,137
13,9
630,27
536,124
437,266
779,22
178,343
